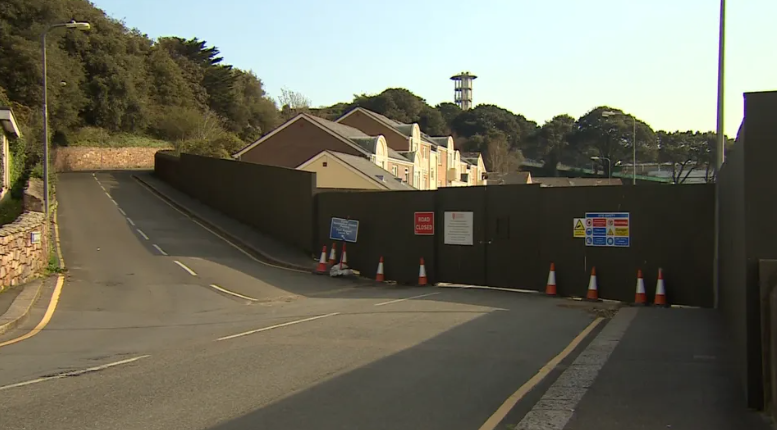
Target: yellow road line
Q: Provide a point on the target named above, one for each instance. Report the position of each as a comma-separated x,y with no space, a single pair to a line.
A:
54,296
247,254
511,401
46,317
56,241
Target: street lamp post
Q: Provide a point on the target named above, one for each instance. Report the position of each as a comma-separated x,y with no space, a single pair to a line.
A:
633,145
609,167
73,25
720,153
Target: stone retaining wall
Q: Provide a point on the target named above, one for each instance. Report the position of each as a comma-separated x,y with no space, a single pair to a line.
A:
24,250
76,158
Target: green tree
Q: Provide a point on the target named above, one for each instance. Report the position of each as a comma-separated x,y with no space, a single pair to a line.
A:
487,118
552,141
609,139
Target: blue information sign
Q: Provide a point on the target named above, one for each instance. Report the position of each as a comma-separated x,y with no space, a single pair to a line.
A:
344,229
608,229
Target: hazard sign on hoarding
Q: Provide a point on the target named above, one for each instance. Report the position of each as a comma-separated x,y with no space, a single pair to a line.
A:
608,229
424,223
578,227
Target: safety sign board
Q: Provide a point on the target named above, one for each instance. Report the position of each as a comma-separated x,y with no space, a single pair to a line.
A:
608,229
459,228
344,229
578,227
424,223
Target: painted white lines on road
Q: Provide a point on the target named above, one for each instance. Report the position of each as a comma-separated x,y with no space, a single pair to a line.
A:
185,267
114,202
232,293
74,373
109,196
140,232
161,251
554,410
406,298
229,242
103,188
121,211
511,401
259,330
130,221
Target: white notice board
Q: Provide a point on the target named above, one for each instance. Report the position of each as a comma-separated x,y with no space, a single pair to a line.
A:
458,228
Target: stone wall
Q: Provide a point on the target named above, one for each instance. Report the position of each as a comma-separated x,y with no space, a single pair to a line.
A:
76,158
24,250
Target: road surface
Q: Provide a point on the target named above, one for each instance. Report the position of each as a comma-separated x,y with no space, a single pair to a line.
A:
163,325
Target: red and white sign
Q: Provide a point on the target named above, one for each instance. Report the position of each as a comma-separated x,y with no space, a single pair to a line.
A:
424,223
600,222
622,222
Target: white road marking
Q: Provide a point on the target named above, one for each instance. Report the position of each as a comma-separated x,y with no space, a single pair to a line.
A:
185,267
159,249
114,202
557,405
277,326
122,212
103,188
140,232
109,196
230,243
406,298
74,373
224,290
130,221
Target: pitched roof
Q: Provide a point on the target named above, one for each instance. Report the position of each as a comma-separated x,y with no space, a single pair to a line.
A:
373,171
352,136
400,127
575,182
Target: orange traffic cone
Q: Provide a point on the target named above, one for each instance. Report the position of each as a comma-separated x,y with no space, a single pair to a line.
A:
550,289
422,273
593,290
660,299
333,254
322,262
343,257
640,299
379,277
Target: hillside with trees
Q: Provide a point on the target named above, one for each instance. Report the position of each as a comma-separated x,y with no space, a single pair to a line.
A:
115,86
506,138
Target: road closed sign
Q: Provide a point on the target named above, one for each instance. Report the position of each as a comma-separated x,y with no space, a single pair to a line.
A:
424,223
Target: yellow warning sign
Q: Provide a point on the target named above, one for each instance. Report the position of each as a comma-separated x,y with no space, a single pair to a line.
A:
622,231
578,227
610,232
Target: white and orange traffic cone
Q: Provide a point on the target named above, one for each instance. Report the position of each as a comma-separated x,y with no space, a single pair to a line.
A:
422,273
343,258
660,299
379,277
550,289
322,262
640,298
333,254
593,289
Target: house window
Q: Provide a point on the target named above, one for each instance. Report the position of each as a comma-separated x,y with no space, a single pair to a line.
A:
439,159
407,175
394,171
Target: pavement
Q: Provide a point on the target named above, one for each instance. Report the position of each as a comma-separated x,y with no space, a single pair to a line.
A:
162,324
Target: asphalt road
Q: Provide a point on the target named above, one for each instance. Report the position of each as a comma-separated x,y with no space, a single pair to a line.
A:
307,351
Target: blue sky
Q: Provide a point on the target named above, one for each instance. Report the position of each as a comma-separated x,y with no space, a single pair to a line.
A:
656,59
